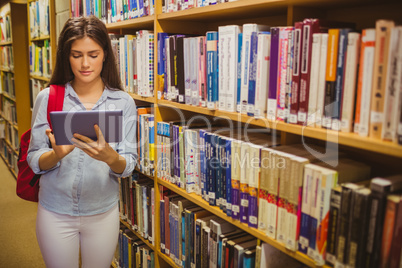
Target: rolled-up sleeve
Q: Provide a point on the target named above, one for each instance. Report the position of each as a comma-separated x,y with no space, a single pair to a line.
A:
128,147
39,143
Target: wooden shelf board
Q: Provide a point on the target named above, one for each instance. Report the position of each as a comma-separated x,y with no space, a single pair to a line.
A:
9,97
167,259
348,139
142,22
196,199
141,98
137,234
40,38
12,148
7,43
7,70
40,78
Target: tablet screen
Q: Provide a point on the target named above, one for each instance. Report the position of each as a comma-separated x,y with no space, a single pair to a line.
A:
66,123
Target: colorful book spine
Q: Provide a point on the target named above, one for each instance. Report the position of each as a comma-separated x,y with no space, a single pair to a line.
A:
273,73
252,74
255,156
235,160
212,69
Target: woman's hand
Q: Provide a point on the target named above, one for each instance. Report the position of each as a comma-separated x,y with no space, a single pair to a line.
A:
100,150
60,150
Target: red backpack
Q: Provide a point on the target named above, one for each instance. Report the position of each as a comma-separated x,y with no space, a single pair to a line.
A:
27,180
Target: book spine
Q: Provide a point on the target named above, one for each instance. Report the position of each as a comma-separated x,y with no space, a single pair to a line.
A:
282,72
238,73
228,146
334,209
310,26
253,186
314,74
223,33
236,161
180,80
212,69
388,229
273,73
262,74
392,95
330,91
244,182
396,252
294,98
248,29
305,210
252,74
383,34
340,73
365,81
348,96
187,66
202,86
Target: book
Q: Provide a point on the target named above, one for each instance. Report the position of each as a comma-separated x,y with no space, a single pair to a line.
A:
358,227
381,56
273,74
392,206
349,85
392,102
330,78
364,84
212,69
395,255
380,188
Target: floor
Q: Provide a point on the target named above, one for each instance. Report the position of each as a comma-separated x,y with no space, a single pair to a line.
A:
18,245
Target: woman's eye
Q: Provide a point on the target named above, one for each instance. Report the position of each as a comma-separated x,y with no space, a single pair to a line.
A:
76,56
94,56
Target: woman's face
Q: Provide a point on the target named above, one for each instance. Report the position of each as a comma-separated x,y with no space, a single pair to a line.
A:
86,60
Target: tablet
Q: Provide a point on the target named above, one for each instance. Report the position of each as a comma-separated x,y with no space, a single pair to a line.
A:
66,123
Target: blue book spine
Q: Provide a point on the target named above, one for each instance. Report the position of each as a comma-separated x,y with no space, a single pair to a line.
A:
343,43
212,171
219,262
202,161
208,153
252,73
161,47
240,46
223,166
183,238
140,8
212,67
218,172
228,152
162,224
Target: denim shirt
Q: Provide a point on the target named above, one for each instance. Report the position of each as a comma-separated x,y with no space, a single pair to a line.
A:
80,185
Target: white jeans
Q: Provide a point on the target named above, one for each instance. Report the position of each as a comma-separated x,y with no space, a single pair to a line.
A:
60,238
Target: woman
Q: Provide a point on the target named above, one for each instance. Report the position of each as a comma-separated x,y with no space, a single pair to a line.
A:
79,190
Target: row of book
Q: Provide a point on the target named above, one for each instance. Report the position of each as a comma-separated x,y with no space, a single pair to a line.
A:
146,141
135,61
365,224
132,252
192,237
137,204
169,6
40,59
39,23
310,74
7,84
8,110
113,10
5,28
8,154
284,191
35,86
7,58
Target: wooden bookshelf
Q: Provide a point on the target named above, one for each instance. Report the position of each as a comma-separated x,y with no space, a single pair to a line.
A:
275,13
20,77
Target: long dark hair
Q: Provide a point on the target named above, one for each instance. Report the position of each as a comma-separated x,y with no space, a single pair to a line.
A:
77,28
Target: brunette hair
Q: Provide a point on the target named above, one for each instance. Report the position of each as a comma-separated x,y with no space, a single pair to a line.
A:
75,29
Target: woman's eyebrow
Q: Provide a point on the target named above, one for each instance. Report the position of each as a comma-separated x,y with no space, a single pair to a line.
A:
78,51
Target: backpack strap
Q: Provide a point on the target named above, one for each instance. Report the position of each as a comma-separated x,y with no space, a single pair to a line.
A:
56,100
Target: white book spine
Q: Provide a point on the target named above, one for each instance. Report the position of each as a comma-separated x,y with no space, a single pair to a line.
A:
349,92
223,32
262,77
314,73
187,67
231,68
367,80
321,80
194,71
393,86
